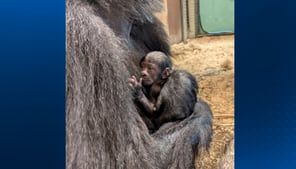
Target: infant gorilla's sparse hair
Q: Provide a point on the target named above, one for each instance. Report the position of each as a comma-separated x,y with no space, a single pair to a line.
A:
159,58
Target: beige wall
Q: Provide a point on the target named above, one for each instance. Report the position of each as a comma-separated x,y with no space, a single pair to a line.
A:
163,16
171,18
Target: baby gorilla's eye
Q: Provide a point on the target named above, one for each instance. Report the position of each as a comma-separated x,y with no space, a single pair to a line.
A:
150,67
143,65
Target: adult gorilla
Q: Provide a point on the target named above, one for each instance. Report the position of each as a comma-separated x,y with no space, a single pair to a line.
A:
105,41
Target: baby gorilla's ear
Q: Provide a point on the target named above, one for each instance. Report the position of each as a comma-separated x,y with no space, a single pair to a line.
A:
166,73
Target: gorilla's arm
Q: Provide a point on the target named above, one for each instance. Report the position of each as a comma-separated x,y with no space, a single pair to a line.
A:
150,36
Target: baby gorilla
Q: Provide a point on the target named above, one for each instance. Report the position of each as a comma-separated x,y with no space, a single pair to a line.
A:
162,94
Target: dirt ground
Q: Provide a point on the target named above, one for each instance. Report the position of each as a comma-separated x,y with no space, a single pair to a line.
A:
211,61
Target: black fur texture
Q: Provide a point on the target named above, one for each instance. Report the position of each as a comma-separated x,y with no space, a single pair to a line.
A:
178,96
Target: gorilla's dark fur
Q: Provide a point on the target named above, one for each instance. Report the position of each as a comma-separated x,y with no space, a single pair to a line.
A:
105,42
179,97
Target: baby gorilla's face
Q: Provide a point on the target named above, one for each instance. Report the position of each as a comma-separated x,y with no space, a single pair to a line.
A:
150,72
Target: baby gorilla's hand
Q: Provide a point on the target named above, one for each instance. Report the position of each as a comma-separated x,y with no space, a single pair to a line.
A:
135,84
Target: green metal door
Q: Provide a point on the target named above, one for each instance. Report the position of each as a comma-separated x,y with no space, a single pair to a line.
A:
216,16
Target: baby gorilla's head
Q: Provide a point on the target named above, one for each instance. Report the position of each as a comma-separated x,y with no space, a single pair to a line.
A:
155,68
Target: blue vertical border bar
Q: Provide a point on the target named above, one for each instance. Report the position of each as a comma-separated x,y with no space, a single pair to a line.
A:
265,84
32,84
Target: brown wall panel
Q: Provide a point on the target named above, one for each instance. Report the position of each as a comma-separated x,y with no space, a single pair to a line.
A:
174,20
171,18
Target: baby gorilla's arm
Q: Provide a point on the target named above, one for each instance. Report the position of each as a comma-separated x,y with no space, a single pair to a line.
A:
147,104
140,96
